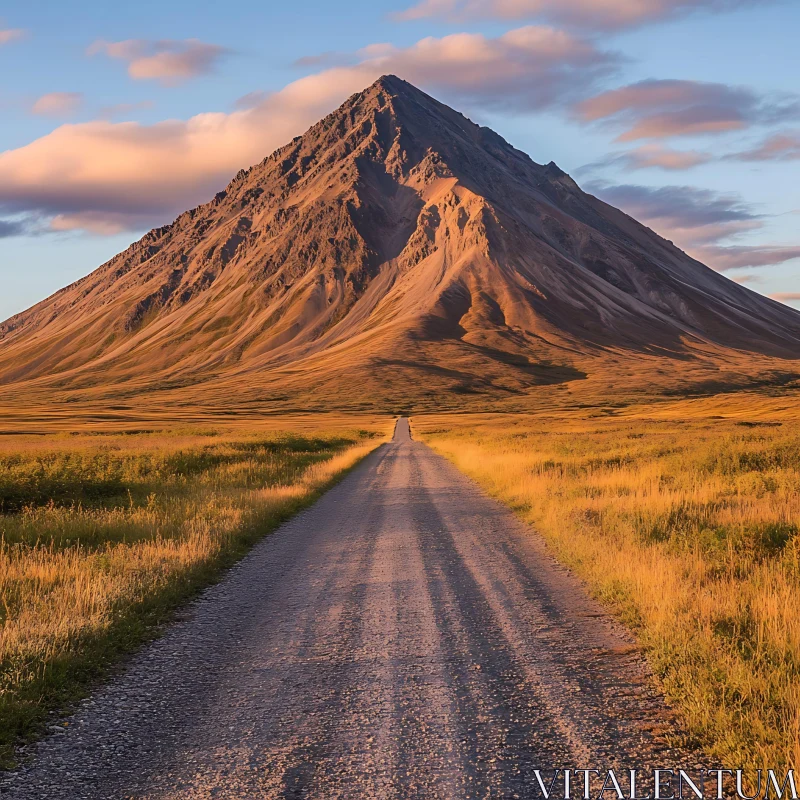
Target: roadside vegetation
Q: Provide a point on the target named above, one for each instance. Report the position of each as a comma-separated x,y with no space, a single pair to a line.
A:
104,536
689,531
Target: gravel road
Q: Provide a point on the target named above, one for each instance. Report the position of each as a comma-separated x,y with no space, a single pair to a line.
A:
405,637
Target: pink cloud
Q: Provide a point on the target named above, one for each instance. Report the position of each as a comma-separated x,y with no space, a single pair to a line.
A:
649,156
658,157
99,223
58,103
778,147
725,258
598,14
688,122
11,35
126,171
135,176
167,61
530,67
655,109
786,297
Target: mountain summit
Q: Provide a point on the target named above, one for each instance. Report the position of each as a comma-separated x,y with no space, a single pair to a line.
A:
396,252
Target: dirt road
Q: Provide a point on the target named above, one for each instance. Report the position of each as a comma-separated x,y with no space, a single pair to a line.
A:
404,637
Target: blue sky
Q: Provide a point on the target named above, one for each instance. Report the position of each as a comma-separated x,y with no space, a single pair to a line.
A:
118,116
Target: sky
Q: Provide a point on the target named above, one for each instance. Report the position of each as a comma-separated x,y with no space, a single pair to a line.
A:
118,116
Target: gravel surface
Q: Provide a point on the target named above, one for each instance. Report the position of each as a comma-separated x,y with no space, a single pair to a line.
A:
405,637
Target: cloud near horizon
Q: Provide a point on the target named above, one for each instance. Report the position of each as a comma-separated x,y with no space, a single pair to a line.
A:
661,109
588,14
704,223
107,177
9,227
168,61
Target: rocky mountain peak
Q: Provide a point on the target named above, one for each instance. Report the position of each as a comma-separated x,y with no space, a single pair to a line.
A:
395,245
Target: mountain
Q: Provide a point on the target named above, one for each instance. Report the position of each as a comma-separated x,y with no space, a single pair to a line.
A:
395,253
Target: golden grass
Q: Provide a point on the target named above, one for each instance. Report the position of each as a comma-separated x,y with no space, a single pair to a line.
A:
689,530
82,584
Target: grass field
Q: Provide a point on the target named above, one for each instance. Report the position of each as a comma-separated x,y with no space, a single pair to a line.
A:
684,522
104,535
688,528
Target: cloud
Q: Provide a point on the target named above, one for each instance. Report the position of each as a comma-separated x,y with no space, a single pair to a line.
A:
748,277
701,221
690,214
125,109
133,175
8,35
532,67
658,157
58,104
251,100
328,59
650,156
136,176
658,109
778,147
594,14
100,223
168,61
725,258
9,227
786,297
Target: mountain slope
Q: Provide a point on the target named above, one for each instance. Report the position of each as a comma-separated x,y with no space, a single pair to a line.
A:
396,250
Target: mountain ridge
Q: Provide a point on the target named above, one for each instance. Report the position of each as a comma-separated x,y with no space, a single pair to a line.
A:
393,227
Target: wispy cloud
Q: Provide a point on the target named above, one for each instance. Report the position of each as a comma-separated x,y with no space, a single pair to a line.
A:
659,109
593,14
703,222
9,228
650,156
658,157
786,297
724,258
694,215
8,35
135,175
125,109
57,104
168,61
100,223
251,100
778,147
328,59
